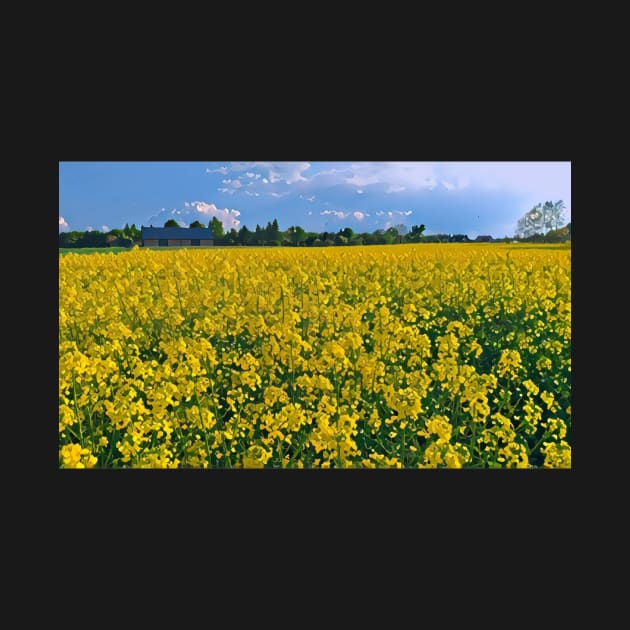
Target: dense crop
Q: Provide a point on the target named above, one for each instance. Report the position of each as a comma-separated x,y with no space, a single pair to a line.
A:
414,356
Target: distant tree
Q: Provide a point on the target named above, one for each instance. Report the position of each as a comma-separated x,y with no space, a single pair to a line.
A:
244,236
274,232
416,232
217,228
231,238
296,234
197,224
171,223
134,233
540,219
347,232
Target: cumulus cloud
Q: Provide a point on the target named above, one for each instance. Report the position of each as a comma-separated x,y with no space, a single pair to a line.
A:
105,228
199,211
63,225
228,217
359,215
89,228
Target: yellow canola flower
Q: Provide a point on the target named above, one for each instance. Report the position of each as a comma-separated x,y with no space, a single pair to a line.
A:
443,355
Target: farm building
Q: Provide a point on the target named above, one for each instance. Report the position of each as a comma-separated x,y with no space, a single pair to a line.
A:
176,237
484,238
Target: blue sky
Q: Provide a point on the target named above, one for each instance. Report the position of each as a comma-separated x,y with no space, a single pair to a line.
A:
447,197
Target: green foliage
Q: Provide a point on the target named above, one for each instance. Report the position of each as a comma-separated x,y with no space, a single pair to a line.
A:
171,223
217,228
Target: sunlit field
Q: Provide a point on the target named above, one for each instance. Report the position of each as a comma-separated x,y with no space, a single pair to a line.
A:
406,356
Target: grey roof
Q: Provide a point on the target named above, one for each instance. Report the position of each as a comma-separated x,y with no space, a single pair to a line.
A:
172,232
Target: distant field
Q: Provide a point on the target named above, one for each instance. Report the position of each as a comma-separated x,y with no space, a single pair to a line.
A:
92,250
117,250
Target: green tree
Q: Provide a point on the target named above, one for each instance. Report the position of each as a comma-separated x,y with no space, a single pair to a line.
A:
197,224
217,228
416,232
171,223
274,233
296,234
244,235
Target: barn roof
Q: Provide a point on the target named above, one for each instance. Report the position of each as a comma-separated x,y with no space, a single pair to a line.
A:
173,232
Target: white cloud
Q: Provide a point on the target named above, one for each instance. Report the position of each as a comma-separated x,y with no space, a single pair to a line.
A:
359,215
448,185
338,213
311,199
359,191
105,228
225,190
252,194
391,213
63,225
226,181
200,211
89,228
276,194
225,215
395,189
309,213
222,169
283,172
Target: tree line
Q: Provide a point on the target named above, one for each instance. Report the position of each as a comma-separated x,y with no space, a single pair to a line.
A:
269,235
126,237
543,223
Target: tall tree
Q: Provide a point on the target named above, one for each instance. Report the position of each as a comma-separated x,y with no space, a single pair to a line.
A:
197,224
171,223
416,232
540,219
217,228
274,231
296,234
244,235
